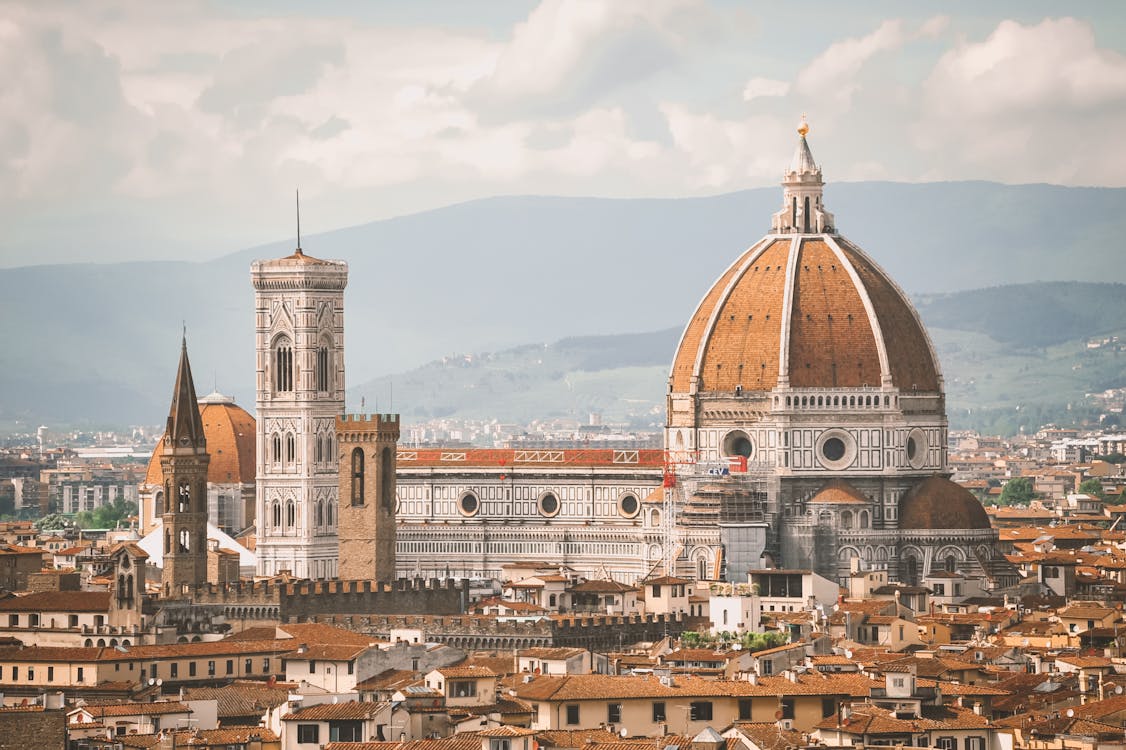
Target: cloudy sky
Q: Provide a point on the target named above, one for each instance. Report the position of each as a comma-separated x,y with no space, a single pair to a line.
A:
139,129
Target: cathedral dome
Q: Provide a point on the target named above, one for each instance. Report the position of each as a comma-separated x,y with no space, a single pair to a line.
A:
229,431
804,308
938,503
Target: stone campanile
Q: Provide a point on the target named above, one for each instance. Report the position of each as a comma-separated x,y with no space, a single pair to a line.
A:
368,445
183,463
299,322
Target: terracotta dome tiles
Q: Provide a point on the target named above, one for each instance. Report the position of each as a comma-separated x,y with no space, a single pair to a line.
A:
743,345
910,359
831,339
938,503
230,435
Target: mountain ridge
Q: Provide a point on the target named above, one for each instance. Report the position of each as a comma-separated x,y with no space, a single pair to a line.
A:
483,275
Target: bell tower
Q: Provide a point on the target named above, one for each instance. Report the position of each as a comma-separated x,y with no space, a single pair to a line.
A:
183,463
299,310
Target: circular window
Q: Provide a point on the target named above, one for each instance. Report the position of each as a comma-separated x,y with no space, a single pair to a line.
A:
738,443
549,504
468,504
833,449
917,446
628,505
836,449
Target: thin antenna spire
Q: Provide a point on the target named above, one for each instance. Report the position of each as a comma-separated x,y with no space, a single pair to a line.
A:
298,220
184,336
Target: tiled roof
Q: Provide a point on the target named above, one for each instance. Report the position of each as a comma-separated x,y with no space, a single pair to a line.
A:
665,581
58,601
872,720
214,738
552,654
598,687
463,671
601,587
101,711
240,699
767,735
388,679
326,651
330,711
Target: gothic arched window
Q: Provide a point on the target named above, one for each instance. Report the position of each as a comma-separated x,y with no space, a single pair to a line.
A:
277,515
283,365
387,479
320,513
357,476
290,515
277,457
290,448
328,514
323,370
318,449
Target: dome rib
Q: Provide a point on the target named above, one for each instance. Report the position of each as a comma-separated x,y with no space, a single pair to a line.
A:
912,362
696,333
745,321
869,308
832,341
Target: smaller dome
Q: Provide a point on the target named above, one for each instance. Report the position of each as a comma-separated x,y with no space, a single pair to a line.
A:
837,492
231,437
938,503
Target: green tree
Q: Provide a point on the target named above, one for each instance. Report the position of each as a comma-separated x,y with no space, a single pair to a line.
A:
1092,487
106,516
762,641
1017,491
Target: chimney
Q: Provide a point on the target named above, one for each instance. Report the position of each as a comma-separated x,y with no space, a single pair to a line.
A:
977,708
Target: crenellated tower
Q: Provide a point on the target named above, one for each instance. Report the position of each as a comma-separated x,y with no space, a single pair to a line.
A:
183,463
299,313
367,495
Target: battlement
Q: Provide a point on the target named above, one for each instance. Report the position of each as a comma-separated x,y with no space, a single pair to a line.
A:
596,632
369,418
353,428
311,599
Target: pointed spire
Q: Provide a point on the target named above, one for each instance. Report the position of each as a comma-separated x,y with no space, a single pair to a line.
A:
802,210
803,163
298,251
185,426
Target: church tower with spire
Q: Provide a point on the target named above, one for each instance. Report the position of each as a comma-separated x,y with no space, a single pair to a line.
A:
299,310
183,463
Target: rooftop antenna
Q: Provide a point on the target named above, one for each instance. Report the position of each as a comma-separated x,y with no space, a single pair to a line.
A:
298,192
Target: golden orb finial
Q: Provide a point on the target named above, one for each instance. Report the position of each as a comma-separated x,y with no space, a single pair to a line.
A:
803,126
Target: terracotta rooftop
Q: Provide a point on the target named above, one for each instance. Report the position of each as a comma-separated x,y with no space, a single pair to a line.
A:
58,601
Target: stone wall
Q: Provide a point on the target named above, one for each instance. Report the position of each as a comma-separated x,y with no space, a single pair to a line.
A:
484,632
33,727
309,601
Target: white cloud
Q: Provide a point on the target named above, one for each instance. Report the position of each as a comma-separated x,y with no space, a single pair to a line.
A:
836,72
757,87
1026,102
568,53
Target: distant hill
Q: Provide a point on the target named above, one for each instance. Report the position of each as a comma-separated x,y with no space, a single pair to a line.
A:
97,344
998,379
